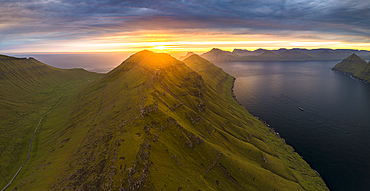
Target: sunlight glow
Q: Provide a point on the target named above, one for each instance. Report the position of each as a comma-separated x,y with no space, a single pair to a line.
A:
164,41
160,47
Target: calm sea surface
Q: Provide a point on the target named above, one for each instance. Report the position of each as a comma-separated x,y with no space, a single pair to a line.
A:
332,133
99,62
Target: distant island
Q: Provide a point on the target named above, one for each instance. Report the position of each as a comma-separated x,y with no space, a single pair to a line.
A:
282,54
356,66
152,123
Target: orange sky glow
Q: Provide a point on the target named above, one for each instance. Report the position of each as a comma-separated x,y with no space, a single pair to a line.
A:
52,26
178,43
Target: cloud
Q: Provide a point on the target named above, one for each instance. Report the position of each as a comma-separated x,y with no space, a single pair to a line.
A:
30,21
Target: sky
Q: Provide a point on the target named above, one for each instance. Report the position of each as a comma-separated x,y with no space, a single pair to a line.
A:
52,26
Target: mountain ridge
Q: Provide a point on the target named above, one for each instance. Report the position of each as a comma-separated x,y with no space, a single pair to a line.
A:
220,55
354,66
188,54
155,122
282,54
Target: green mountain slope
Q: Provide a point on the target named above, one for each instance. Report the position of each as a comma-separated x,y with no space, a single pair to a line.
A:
355,66
364,73
155,123
29,89
351,64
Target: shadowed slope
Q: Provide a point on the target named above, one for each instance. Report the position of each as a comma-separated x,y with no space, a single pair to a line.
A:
155,123
364,73
219,55
292,55
295,54
351,64
355,66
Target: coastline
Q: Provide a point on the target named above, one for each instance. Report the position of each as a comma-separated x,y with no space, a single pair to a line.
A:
351,75
272,130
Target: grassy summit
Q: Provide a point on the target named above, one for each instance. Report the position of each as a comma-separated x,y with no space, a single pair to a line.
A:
156,123
355,66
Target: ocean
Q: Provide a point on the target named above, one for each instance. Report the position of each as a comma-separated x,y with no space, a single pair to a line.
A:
94,62
332,133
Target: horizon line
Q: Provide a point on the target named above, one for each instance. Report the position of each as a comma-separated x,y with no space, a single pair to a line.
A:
168,51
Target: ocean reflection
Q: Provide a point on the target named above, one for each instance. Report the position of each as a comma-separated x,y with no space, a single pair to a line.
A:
331,131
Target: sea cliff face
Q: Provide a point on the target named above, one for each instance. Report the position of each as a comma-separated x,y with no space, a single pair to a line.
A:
156,123
355,66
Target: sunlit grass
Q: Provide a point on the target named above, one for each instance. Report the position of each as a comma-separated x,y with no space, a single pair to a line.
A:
174,124
29,89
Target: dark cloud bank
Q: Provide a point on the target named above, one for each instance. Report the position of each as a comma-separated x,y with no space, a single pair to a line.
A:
73,19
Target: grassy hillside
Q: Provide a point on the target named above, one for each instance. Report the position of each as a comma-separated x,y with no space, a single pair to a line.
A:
351,64
355,66
155,123
364,73
29,89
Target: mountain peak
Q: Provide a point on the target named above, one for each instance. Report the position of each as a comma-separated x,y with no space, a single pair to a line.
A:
350,64
158,60
147,62
219,55
156,123
186,56
150,60
196,61
355,66
354,56
268,53
216,49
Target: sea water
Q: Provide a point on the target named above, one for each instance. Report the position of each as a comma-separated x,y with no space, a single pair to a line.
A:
98,62
332,133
